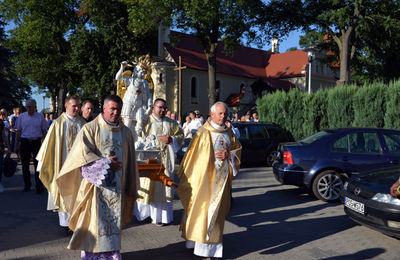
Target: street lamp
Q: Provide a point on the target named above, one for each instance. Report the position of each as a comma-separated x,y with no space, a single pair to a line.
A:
310,56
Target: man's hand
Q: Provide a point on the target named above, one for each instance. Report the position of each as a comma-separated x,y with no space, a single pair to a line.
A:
165,139
393,190
115,165
222,155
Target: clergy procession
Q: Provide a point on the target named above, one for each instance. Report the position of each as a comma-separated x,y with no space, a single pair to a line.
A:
101,172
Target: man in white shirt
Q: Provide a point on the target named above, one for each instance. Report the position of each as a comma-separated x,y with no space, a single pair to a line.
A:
31,128
194,125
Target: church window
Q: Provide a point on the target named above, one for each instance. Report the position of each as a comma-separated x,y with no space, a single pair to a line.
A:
194,91
193,88
217,90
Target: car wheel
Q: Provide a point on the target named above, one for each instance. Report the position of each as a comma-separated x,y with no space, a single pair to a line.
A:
272,157
327,186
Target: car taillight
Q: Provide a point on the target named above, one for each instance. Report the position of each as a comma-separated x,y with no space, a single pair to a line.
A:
287,158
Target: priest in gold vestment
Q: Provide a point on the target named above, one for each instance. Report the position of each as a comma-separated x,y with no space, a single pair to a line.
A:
53,152
155,200
206,172
99,182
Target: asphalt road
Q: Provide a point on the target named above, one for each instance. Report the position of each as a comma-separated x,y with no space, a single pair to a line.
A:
267,221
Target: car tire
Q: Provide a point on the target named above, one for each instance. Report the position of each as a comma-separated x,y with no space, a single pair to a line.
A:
272,157
327,185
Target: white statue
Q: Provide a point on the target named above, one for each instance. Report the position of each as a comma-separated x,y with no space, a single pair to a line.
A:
137,98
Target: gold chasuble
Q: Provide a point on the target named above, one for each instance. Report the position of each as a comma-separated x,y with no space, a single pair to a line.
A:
97,214
154,191
205,184
52,154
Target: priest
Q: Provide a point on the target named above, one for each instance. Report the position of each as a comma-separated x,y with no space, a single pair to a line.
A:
98,183
155,199
53,152
206,172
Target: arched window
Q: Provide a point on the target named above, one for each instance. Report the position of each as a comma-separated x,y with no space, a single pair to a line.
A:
193,88
217,90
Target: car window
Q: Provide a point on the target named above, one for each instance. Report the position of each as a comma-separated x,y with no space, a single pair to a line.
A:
341,145
364,142
258,132
392,142
314,137
276,132
243,133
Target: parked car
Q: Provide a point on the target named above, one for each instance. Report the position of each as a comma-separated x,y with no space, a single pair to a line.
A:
181,152
260,141
367,200
322,162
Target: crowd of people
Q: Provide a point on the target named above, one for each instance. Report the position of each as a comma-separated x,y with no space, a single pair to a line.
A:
83,160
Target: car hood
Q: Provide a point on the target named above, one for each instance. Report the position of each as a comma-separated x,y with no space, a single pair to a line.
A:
378,180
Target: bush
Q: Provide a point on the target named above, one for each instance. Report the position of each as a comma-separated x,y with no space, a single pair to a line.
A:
369,106
315,112
340,106
294,116
372,105
392,115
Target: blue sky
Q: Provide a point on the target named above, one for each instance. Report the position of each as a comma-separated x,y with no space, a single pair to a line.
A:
291,41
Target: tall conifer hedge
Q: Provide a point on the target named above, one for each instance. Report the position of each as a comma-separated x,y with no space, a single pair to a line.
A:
303,114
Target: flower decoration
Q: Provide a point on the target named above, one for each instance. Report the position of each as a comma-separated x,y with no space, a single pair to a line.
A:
95,172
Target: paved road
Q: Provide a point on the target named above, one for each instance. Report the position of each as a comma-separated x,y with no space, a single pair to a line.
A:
267,221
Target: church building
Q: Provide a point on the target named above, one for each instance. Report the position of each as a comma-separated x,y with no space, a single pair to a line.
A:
242,76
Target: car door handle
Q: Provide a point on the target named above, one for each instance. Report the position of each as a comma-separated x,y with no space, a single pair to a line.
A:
394,161
344,158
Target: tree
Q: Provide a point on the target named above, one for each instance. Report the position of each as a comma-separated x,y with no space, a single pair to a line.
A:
351,24
40,38
376,58
98,48
211,22
13,90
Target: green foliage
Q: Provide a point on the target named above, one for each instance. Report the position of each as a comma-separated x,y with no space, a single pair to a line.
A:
372,105
72,46
369,105
294,117
392,115
210,22
12,91
96,52
272,107
315,111
340,109
364,34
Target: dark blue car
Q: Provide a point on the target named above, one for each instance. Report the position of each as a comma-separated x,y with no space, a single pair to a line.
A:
322,162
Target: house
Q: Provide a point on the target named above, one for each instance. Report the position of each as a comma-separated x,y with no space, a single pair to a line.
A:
242,76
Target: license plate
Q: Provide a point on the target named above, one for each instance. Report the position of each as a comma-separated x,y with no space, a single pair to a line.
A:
354,205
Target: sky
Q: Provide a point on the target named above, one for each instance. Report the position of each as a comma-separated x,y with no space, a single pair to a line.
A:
291,41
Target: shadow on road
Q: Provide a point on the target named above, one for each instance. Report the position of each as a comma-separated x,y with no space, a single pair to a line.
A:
171,251
273,225
369,253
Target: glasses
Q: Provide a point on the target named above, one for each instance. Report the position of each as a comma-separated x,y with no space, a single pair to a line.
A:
160,107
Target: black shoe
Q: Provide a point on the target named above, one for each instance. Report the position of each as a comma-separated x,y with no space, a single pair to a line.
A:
39,190
26,189
68,231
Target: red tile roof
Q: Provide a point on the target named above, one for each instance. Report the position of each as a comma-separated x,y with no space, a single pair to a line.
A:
287,65
244,62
